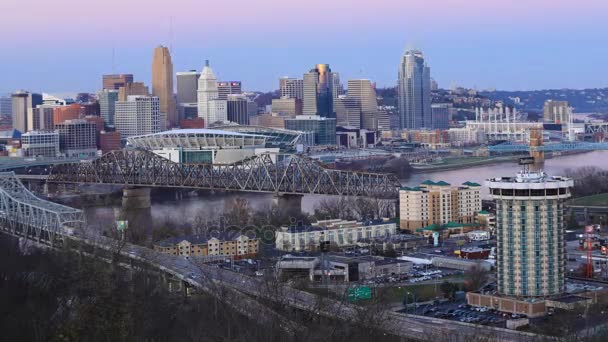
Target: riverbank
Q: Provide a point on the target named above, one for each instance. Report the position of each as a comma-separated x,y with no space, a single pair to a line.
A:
462,162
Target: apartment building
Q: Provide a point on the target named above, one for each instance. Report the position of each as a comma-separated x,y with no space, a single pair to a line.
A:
438,203
235,245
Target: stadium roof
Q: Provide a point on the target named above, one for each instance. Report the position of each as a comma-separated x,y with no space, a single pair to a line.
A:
197,139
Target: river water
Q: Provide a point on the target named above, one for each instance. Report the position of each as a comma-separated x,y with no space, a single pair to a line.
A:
186,209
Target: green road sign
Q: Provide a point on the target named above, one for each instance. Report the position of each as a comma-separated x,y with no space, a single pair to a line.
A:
359,293
122,225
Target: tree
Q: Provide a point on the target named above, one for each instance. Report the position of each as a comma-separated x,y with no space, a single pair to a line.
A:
475,277
448,289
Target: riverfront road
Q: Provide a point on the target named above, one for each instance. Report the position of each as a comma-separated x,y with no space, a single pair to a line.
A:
206,277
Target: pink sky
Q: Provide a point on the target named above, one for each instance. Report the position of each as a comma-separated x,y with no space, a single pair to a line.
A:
107,20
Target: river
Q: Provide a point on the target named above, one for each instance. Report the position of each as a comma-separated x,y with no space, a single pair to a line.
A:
184,210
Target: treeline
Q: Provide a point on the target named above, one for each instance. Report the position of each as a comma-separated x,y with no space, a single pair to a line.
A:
588,180
387,164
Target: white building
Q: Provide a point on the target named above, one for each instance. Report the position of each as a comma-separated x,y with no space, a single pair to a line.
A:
139,115
40,144
210,108
338,232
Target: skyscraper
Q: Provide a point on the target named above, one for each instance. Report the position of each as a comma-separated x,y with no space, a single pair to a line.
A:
187,86
116,81
237,109
22,102
162,84
134,88
440,113
414,87
226,88
107,102
291,88
318,92
40,118
348,112
210,108
139,115
6,105
530,255
365,94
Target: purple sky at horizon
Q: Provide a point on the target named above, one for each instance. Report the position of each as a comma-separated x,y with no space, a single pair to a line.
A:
66,45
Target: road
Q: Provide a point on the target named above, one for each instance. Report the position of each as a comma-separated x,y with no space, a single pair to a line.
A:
207,277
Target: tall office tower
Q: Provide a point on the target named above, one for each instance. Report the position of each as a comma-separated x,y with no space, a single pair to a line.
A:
414,91
40,118
71,112
434,85
384,120
210,108
348,111
318,92
162,84
336,86
556,112
129,89
237,109
530,255
139,115
77,138
187,86
116,81
226,88
365,94
6,105
440,113
22,101
287,106
291,88
107,105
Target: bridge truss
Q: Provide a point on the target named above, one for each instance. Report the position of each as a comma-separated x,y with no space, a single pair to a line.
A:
25,215
270,173
510,147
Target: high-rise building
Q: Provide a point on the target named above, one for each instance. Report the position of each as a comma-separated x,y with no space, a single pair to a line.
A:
43,143
139,115
440,113
337,88
116,81
107,105
226,88
365,94
162,84
414,91
287,106
318,92
530,249
348,111
40,118
6,105
109,141
324,129
187,86
135,88
438,203
77,138
71,112
22,102
210,108
237,109
556,112
291,88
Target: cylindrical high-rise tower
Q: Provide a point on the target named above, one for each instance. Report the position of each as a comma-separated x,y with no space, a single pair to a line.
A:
530,256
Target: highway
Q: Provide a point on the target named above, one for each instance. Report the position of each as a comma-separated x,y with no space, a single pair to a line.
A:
209,278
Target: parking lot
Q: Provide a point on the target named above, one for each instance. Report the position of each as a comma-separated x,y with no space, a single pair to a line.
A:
460,311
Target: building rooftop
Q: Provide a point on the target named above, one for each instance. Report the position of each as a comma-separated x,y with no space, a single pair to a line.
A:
201,239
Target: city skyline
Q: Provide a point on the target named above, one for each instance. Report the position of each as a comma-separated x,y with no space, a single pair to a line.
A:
487,44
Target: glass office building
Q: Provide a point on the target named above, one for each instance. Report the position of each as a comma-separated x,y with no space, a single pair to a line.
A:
324,129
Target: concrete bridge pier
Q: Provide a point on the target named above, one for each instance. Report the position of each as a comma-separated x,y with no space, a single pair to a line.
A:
291,204
136,198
